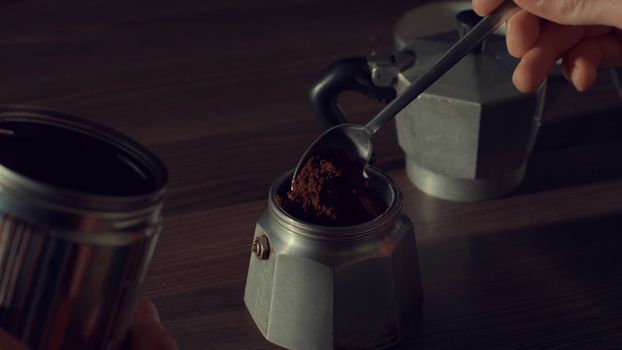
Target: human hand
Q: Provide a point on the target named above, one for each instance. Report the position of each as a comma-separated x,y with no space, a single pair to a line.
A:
146,334
586,34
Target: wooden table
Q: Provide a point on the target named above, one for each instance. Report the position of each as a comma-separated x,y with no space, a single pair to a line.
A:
219,90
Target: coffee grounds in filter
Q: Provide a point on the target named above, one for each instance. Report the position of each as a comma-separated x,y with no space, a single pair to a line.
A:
330,190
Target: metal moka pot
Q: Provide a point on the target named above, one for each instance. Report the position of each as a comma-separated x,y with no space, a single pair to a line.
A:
468,137
80,212
319,287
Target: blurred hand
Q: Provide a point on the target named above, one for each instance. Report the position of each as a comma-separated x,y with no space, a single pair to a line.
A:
586,34
146,334
7,342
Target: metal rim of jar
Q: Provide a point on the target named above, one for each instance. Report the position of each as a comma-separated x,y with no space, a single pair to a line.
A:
80,209
366,230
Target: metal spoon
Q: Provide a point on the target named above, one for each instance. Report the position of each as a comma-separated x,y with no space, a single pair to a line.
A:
354,140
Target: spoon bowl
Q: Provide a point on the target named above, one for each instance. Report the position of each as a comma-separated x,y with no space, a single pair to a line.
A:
351,140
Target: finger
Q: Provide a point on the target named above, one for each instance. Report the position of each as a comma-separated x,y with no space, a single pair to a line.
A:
146,308
576,12
147,332
554,41
485,7
522,33
611,46
582,62
8,342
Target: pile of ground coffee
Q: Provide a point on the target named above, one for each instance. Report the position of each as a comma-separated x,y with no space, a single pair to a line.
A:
330,190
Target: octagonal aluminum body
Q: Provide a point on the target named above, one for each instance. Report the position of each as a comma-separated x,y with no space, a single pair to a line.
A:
355,287
468,137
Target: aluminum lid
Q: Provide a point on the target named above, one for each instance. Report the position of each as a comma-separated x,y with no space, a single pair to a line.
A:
480,78
54,163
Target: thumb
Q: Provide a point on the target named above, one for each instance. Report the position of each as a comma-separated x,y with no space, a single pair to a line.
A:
576,12
147,331
8,342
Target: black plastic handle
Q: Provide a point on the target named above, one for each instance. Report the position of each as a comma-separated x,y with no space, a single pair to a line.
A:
346,74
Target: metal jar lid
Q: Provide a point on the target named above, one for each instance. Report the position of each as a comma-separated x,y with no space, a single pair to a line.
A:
62,171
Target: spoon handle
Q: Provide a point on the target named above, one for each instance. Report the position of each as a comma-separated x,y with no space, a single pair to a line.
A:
460,49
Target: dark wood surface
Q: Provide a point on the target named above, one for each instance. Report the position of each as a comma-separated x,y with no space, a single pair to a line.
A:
218,89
